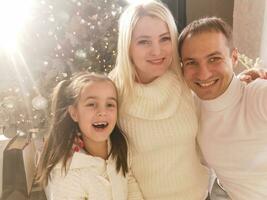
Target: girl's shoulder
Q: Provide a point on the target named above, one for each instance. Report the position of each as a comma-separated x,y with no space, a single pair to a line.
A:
82,160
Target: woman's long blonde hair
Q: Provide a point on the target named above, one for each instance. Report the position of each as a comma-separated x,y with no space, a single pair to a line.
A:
124,73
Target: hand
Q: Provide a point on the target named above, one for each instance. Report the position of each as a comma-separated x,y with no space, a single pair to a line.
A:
249,75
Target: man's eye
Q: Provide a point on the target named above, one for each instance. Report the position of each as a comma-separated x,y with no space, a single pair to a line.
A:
214,59
189,63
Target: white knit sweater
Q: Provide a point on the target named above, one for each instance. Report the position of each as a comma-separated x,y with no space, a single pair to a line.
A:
233,138
161,126
89,178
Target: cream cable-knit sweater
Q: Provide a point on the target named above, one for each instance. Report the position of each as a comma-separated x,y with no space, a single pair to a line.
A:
88,177
161,126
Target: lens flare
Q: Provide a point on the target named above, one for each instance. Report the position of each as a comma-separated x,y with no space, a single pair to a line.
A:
13,16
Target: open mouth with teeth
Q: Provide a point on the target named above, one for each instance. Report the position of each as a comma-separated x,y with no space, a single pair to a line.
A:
207,84
100,125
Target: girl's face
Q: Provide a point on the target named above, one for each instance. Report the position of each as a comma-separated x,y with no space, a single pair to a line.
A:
151,48
96,111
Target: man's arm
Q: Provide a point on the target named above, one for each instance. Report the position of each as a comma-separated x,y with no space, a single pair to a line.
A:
249,75
258,98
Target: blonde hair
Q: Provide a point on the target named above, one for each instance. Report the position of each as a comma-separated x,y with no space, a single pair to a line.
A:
124,73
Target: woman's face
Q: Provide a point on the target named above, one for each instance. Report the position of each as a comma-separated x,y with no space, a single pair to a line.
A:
151,48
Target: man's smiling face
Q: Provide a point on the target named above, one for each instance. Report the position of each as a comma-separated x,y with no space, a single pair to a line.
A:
208,63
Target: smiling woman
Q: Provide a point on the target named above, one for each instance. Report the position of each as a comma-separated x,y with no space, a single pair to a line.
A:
156,108
13,16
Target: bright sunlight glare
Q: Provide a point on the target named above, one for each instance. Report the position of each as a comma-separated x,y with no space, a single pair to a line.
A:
13,16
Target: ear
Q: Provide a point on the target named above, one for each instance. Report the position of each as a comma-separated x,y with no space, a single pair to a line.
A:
182,67
73,113
234,57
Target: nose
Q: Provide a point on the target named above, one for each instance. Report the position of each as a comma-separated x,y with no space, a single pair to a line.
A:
155,49
101,112
203,72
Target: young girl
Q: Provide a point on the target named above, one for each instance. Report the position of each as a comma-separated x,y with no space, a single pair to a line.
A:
85,156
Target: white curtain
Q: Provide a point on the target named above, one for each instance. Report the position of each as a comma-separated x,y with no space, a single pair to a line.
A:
250,28
263,52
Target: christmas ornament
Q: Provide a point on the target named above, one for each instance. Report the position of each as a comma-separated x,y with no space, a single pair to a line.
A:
80,54
39,103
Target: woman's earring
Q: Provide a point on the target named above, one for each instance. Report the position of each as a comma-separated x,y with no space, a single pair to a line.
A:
79,140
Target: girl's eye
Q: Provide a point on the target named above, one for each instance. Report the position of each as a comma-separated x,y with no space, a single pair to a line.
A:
91,104
111,105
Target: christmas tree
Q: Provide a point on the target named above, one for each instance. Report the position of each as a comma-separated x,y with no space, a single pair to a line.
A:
62,37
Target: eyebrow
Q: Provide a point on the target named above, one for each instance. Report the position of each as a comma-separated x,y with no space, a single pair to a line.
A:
146,36
187,59
95,97
214,53
207,56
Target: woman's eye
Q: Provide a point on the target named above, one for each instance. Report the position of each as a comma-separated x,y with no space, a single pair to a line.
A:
144,42
167,38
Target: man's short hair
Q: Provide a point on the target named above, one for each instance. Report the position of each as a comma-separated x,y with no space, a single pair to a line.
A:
206,24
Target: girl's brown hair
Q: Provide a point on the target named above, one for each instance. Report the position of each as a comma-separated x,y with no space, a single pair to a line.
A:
63,130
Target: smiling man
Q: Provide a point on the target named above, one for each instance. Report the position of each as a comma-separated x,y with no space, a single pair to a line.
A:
233,115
